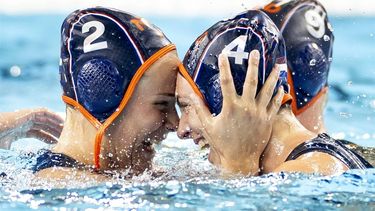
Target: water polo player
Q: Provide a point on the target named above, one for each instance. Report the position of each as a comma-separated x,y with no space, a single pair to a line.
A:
291,147
118,74
309,41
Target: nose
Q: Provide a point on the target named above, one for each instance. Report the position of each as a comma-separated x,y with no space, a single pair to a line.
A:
184,131
172,121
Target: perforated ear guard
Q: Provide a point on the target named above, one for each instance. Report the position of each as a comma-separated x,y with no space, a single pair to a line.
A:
309,64
100,87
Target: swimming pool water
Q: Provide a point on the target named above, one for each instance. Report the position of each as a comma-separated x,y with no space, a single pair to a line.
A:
29,52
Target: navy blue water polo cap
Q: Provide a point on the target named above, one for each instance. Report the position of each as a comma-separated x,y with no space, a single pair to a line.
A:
237,37
309,41
104,53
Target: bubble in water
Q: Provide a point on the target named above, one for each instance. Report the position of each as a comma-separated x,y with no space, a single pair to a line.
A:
15,71
350,83
312,62
372,104
371,35
345,115
326,38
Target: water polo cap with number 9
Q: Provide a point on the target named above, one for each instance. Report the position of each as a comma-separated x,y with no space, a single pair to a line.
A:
309,42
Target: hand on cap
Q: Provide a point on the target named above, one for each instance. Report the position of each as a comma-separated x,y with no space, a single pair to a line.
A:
29,123
240,133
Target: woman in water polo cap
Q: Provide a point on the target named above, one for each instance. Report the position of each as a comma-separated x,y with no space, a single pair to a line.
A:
309,41
118,74
291,147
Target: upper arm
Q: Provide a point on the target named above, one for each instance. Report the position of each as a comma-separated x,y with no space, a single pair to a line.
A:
314,162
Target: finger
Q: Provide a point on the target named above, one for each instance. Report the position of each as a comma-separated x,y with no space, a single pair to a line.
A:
54,130
251,81
275,105
226,79
45,114
268,88
202,111
43,136
49,122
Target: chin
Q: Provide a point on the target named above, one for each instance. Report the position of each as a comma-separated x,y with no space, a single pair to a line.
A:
142,159
213,158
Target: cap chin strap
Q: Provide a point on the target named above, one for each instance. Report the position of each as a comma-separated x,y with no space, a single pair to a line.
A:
187,77
129,92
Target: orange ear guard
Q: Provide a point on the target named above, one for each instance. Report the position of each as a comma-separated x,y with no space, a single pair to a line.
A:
129,92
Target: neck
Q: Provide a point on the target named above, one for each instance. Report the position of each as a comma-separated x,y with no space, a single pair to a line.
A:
312,115
287,134
77,137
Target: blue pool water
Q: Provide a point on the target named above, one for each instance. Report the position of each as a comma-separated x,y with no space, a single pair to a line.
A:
29,46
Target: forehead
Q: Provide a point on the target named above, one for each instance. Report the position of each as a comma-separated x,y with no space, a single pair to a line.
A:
161,76
183,88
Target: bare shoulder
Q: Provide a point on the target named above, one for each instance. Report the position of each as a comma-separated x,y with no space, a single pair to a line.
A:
314,162
67,174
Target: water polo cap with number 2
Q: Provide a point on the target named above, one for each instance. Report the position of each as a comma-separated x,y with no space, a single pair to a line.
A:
104,53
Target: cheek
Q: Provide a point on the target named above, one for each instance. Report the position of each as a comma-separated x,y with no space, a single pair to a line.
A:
151,119
190,119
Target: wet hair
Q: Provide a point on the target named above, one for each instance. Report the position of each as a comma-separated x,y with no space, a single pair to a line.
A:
237,37
309,41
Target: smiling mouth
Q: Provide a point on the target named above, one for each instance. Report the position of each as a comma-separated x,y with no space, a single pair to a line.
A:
201,142
148,146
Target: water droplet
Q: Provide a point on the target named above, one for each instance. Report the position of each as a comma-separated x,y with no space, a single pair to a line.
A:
312,62
305,99
330,59
15,71
345,115
326,38
110,155
372,104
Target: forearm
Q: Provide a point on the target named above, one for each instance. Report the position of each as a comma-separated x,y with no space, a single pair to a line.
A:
11,126
10,123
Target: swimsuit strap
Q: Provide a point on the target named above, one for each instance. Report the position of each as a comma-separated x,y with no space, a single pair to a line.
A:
324,143
48,159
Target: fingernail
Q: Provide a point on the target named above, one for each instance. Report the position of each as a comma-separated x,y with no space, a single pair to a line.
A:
255,54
